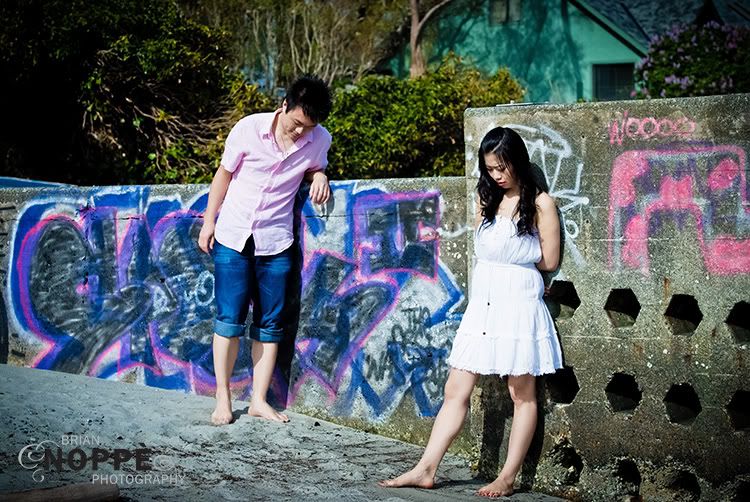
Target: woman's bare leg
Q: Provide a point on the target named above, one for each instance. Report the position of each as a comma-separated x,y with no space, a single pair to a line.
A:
523,392
448,424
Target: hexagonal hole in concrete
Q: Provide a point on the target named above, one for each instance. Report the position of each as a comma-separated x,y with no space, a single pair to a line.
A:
622,307
564,456
739,322
623,393
562,299
738,410
682,404
683,314
684,485
628,476
562,385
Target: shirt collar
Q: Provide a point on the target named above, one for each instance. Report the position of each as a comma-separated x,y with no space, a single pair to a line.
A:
268,130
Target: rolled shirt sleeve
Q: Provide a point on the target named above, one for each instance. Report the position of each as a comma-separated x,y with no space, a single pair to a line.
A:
322,160
235,145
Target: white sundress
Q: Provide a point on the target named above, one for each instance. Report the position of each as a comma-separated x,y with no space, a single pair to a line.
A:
506,329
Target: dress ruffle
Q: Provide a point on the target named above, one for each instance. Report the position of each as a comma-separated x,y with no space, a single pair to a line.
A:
498,356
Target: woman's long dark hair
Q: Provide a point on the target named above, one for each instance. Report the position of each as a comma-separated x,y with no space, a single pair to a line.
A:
510,149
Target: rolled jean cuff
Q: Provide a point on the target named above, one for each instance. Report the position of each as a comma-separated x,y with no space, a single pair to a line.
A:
228,330
267,335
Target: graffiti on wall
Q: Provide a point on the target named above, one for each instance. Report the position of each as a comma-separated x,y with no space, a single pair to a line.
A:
111,283
562,171
650,128
695,187
366,335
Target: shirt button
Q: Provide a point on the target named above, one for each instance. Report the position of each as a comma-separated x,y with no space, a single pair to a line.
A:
484,332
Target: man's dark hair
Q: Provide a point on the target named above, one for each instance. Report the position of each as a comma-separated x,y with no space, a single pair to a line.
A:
312,95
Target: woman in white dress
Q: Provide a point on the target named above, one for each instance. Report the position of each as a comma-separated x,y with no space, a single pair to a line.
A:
506,329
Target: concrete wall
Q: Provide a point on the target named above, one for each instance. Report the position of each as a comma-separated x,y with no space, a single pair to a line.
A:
651,302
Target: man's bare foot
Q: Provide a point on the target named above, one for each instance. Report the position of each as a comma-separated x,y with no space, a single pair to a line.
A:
222,415
501,487
264,410
419,477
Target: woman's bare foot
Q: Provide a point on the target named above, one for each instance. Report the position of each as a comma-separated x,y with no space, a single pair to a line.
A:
264,410
222,415
419,477
501,487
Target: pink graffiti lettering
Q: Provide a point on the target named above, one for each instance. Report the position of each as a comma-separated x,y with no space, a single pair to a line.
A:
649,128
702,185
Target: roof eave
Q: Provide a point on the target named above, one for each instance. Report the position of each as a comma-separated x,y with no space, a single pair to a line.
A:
627,39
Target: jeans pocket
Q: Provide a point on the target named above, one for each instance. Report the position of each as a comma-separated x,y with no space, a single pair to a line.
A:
223,255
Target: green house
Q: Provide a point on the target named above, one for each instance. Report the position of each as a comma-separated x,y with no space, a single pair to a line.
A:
563,50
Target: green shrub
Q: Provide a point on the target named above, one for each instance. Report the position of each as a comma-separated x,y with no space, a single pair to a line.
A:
162,103
132,91
696,61
121,91
386,127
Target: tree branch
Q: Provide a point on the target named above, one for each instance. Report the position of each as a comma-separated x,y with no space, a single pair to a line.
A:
430,13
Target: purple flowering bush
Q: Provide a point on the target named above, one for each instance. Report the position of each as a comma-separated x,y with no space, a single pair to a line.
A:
695,61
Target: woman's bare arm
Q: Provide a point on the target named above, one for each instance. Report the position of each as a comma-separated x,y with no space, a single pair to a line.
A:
548,224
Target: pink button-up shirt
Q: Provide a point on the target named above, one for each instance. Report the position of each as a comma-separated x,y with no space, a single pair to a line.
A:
260,197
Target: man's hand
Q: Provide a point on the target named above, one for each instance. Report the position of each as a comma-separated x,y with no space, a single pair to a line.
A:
206,237
320,190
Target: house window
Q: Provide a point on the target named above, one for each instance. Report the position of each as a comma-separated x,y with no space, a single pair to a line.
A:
613,81
503,11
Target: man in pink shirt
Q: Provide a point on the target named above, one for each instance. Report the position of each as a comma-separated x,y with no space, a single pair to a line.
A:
265,160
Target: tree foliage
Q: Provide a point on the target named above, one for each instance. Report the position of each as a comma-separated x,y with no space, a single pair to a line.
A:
135,91
114,91
696,61
276,40
341,39
254,31
386,127
163,103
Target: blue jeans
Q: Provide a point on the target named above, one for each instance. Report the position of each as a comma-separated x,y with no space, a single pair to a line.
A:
241,278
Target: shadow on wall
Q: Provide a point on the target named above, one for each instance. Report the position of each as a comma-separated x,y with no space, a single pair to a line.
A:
293,305
378,303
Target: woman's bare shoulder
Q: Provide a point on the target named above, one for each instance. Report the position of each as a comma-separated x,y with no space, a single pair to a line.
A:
545,202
